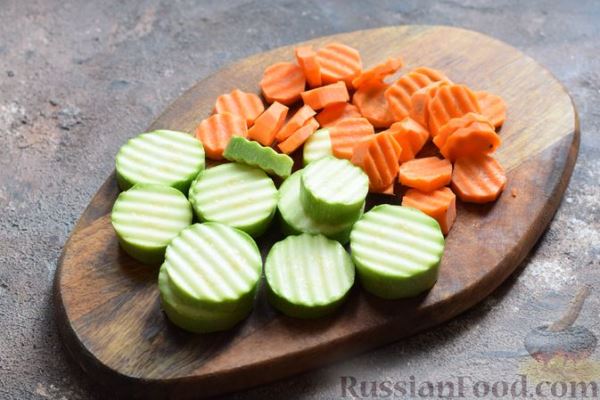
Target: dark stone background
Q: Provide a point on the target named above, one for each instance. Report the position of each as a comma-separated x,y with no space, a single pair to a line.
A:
78,78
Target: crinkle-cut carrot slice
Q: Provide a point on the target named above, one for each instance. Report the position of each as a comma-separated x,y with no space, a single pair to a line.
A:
339,63
296,122
247,105
477,138
420,99
326,95
308,61
450,101
425,174
268,123
478,179
457,123
371,103
378,72
399,93
493,107
215,131
378,156
283,82
345,134
298,138
335,113
410,136
439,205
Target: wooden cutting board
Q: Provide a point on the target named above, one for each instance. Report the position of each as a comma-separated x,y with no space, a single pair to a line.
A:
108,308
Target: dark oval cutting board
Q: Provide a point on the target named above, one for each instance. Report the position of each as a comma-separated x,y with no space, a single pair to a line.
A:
108,308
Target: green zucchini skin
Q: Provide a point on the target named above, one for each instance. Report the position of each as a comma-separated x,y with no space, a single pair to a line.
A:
317,146
254,154
308,276
333,190
162,157
397,251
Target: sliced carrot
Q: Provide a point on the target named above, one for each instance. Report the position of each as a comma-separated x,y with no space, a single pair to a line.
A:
426,174
478,179
450,101
457,123
303,114
247,105
378,156
433,74
410,136
298,138
307,60
493,107
339,63
268,124
439,205
399,93
345,134
215,131
335,113
283,82
371,103
326,95
420,99
477,138
378,72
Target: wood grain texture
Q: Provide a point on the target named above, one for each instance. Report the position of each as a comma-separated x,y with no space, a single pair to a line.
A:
108,308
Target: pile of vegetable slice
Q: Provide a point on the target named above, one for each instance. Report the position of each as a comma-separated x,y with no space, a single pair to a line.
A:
357,131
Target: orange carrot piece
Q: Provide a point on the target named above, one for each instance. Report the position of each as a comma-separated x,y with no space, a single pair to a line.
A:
478,138
457,123
296,122
247,105
419,101
298,138
215,131
439,205
378,72
478,179
326,95
399,93
410,136
339,63
371,103
493,107
426,174
450,101
345,134
268,123
283,82
307,60
378,156
335,113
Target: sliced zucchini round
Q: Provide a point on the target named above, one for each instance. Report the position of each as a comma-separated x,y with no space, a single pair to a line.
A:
317,146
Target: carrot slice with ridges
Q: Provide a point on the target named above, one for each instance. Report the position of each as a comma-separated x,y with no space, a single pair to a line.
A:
419,101
247,105
307,60
345,134
449,102
215,131
303,114
339,63
298,138
478,138
283,82
371,103
439,205
378,72
478,179
425,174
378,156
457,123
268,123
326,95
493,107
335,113
410,136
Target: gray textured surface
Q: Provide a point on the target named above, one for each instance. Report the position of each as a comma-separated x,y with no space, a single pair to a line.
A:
78,78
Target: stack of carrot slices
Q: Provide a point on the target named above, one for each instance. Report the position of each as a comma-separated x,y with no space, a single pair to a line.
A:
378,125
